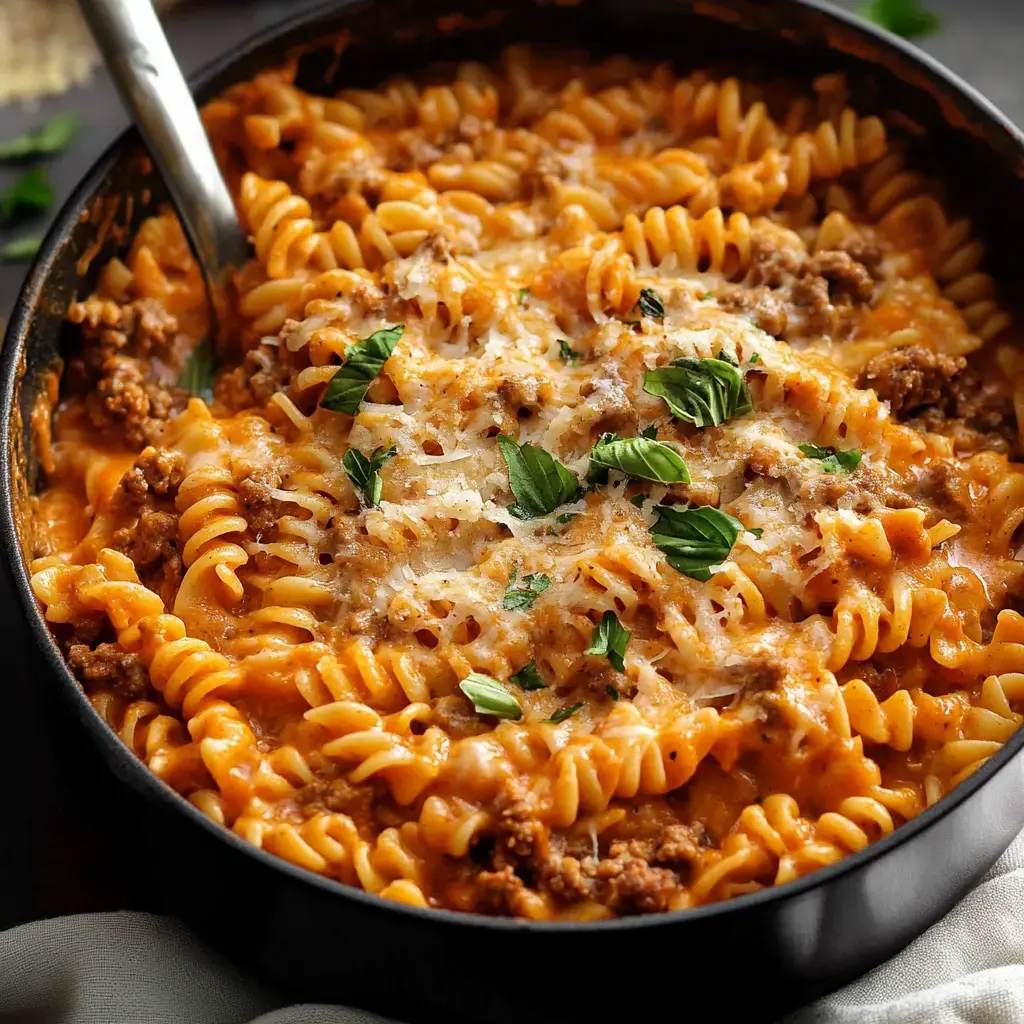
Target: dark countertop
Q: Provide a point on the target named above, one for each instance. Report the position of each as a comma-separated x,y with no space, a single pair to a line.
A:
68,846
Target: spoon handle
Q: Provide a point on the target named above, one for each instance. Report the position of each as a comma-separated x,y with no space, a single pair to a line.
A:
151,85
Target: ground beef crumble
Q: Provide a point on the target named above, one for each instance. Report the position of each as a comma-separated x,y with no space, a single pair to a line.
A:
253,383
787,291
910,378
124,366
259,506
338,796
637,876
942,394
109,668
151,542
157,471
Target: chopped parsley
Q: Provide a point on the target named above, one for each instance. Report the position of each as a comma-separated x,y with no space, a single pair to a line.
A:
704,392
907,18
30,193
528,678
489,697
695,539
365,472
363,361
650,303
197,375
54,136
563,713
832,460
638,457
520,598
538,480
609,640
23,248
566,353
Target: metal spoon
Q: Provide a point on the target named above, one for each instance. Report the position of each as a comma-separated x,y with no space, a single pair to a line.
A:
139,58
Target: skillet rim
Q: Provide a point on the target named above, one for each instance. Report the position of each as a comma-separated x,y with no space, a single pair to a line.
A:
213,76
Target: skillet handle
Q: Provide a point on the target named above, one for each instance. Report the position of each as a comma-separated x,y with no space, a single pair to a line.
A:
151,85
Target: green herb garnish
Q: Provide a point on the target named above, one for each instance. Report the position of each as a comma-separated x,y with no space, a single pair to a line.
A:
520,598
566,517
197,376
638,500
704,392
650,303
528,678
609,640
908,18
638,457
538,480
19,249
566,352
694,539
524,294
51,138
755,358
489,697
563,713
28,194
612,692
365,472
650,431
831,459
363,361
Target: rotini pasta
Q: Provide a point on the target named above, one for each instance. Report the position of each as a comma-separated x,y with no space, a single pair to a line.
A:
610,506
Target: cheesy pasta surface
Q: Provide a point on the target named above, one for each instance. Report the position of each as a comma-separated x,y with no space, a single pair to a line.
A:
604,502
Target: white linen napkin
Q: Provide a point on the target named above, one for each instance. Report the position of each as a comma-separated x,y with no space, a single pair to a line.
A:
132,968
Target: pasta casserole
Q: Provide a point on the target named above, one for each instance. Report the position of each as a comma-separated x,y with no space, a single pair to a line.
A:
604,501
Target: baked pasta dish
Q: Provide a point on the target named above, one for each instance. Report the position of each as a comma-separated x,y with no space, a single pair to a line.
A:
603,501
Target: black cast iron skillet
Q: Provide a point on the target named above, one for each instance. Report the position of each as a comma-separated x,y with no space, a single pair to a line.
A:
756,955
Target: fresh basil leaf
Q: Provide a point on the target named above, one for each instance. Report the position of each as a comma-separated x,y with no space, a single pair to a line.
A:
19,249
650,303
489,697
755,358
566,517
520,598
563,713
365,472
704,392
694,539
30,193
51,138
757,533
650,431
197,375
528,678
538,480
566,352
832,460
363,361
609,640
640,458
524,294
638,500
612,692
907,18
